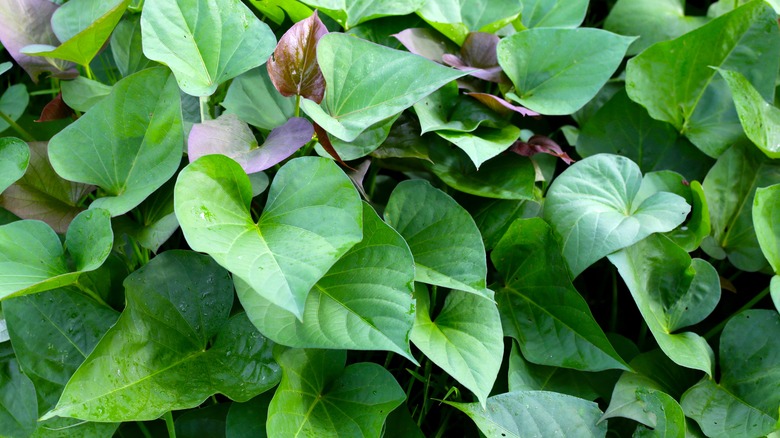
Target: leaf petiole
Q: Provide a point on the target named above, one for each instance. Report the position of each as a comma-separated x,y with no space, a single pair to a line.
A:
168,416
26,136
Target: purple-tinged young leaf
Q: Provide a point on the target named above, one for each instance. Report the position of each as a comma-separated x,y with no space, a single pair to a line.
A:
55,110
500,105
229,136
322,137
478,51
293,66
426,43
539,144
25,22
358,175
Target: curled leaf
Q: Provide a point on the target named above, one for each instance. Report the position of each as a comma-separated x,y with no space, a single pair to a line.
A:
293,66
539,144
478,57
500,105
426,43
322,137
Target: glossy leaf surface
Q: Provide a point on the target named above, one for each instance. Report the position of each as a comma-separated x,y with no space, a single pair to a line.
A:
444,240
205,43
159,356
368,83
318,396
364,302
293,67
541,308
591,206
312,217
128,161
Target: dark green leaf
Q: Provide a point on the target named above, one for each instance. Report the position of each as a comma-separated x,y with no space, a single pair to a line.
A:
248,419
494,216
446,109
126,46
253,98
18,409
209,421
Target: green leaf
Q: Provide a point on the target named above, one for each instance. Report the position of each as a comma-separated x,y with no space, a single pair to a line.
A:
669,416
127,48
32,258
253,98
207,421
52,333
745,402
365,143
494,216
554,13
5,66
312,218
242,418
622,127
464,339
730,187
154,222
509,176
557,71
18,409
535,414
128,161
82,94
652,20
484,143
364,302
14,159
444,240
447,109
766,219
205,42
70,427
368,83
318,396
759,119
456,18
592,206
774,287
44,195
276,9
160,355
674,81
81,41
672,291
540,307
13,102
349,13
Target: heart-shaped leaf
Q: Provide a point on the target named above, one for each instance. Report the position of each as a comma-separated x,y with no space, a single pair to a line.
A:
389,82
766,219
205,43
293,67
465,338
690,95
349,13
591,205
456,18
652,20
53,332
745,401
730,187
127,47
541,308
227,135
159,356
484,143
446,109
557,71
42,194
13,102
535,413
128,161
32,258
25,22
318,396
81,93
672,291
14,159
554,13
444,239
478,57
82,34
759,119
622,127
364,302
253,98
312,217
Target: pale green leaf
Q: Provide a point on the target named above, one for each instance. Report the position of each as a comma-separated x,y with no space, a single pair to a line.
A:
14,159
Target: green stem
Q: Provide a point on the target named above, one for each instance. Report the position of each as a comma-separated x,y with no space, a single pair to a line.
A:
144,429
92,294
204,108
88,71
26,136
426,387
169,423
42,92
718,328
297,105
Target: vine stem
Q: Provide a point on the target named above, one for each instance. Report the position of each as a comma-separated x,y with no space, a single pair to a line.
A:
297,105
169,424
204,108
718,328
26,136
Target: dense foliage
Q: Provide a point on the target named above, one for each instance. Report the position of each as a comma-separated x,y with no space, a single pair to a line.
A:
389,218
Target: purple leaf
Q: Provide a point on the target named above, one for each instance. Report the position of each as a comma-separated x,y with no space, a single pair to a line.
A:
426,43
478,54
57,109
357,176
293,66
539,144
500,105
229,136
322,137
28,22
